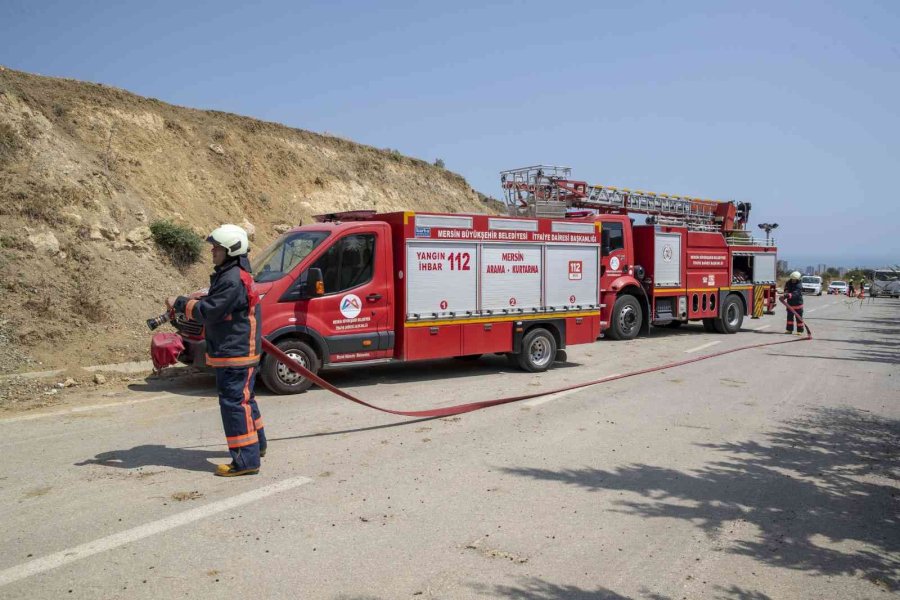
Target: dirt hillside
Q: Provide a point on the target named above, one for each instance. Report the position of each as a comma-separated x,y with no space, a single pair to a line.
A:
85,168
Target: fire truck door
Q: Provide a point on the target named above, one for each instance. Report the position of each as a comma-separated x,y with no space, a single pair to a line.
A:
613,261
355,314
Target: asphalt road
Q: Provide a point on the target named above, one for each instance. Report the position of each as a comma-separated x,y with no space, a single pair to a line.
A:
767,473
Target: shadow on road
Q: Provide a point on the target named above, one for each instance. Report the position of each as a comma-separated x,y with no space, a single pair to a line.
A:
304,436
156,455
876,356
821,494
882,343
538,589
856,322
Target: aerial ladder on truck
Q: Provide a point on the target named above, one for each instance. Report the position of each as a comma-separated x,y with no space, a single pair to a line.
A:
549,191
743,267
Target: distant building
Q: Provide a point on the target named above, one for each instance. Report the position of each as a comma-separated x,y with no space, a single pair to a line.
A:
821,269
842,271
810,270
782,266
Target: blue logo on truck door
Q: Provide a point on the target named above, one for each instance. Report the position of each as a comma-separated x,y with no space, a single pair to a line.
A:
423,232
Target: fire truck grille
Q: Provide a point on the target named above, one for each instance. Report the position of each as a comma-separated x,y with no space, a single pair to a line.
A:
190,328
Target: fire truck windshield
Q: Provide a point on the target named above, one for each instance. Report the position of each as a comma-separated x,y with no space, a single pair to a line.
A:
284,254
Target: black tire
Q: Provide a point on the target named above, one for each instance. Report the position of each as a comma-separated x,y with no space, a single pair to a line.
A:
625,322
281,380
709,325
538,351
732,316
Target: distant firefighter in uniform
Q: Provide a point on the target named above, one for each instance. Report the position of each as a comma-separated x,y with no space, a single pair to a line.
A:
793,294
230,314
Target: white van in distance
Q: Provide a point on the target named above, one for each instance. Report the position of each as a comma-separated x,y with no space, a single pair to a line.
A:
811,284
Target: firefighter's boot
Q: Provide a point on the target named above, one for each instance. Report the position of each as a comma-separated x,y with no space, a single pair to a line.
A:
233,470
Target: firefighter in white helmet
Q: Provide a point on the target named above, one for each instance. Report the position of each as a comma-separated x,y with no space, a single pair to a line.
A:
230,314
793,295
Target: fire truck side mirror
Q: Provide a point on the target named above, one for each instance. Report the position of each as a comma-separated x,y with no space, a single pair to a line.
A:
315,284
309,285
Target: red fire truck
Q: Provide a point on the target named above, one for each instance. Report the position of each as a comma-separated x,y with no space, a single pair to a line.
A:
358,288
693,260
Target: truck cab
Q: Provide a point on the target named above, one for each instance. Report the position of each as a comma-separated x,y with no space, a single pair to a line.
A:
350,316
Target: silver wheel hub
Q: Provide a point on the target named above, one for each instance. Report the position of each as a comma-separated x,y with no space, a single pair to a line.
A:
732,315
627,318
285,374
540,352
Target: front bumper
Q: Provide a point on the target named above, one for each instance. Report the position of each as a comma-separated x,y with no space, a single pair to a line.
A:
194,353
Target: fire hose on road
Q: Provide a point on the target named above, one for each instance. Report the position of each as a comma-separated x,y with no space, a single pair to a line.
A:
473,406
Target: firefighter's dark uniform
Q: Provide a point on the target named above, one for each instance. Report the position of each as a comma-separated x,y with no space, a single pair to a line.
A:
230,314
793,294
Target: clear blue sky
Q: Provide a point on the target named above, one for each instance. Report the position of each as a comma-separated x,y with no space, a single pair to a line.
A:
790,105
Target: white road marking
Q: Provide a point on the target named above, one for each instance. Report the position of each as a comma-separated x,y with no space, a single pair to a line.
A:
558,395
701,347
78,409
58,559
812,310
761,327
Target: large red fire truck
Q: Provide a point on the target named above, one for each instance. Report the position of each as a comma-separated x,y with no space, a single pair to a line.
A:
693,260
358,287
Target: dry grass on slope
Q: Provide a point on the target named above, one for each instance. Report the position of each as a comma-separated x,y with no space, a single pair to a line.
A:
84,168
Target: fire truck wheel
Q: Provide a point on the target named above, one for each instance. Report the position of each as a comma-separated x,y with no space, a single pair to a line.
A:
732,316
626,318
709,325
538,350
281,380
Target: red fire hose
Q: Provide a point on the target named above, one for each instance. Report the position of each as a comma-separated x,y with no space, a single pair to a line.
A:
472,406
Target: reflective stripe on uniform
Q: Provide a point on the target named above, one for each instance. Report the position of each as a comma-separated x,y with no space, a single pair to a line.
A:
239,441
245,401
189,309
235,361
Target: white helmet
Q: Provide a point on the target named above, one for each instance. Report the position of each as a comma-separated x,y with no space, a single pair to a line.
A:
795,275
232,238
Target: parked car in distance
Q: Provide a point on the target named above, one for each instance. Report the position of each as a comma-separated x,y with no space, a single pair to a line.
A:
811,284
838,287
